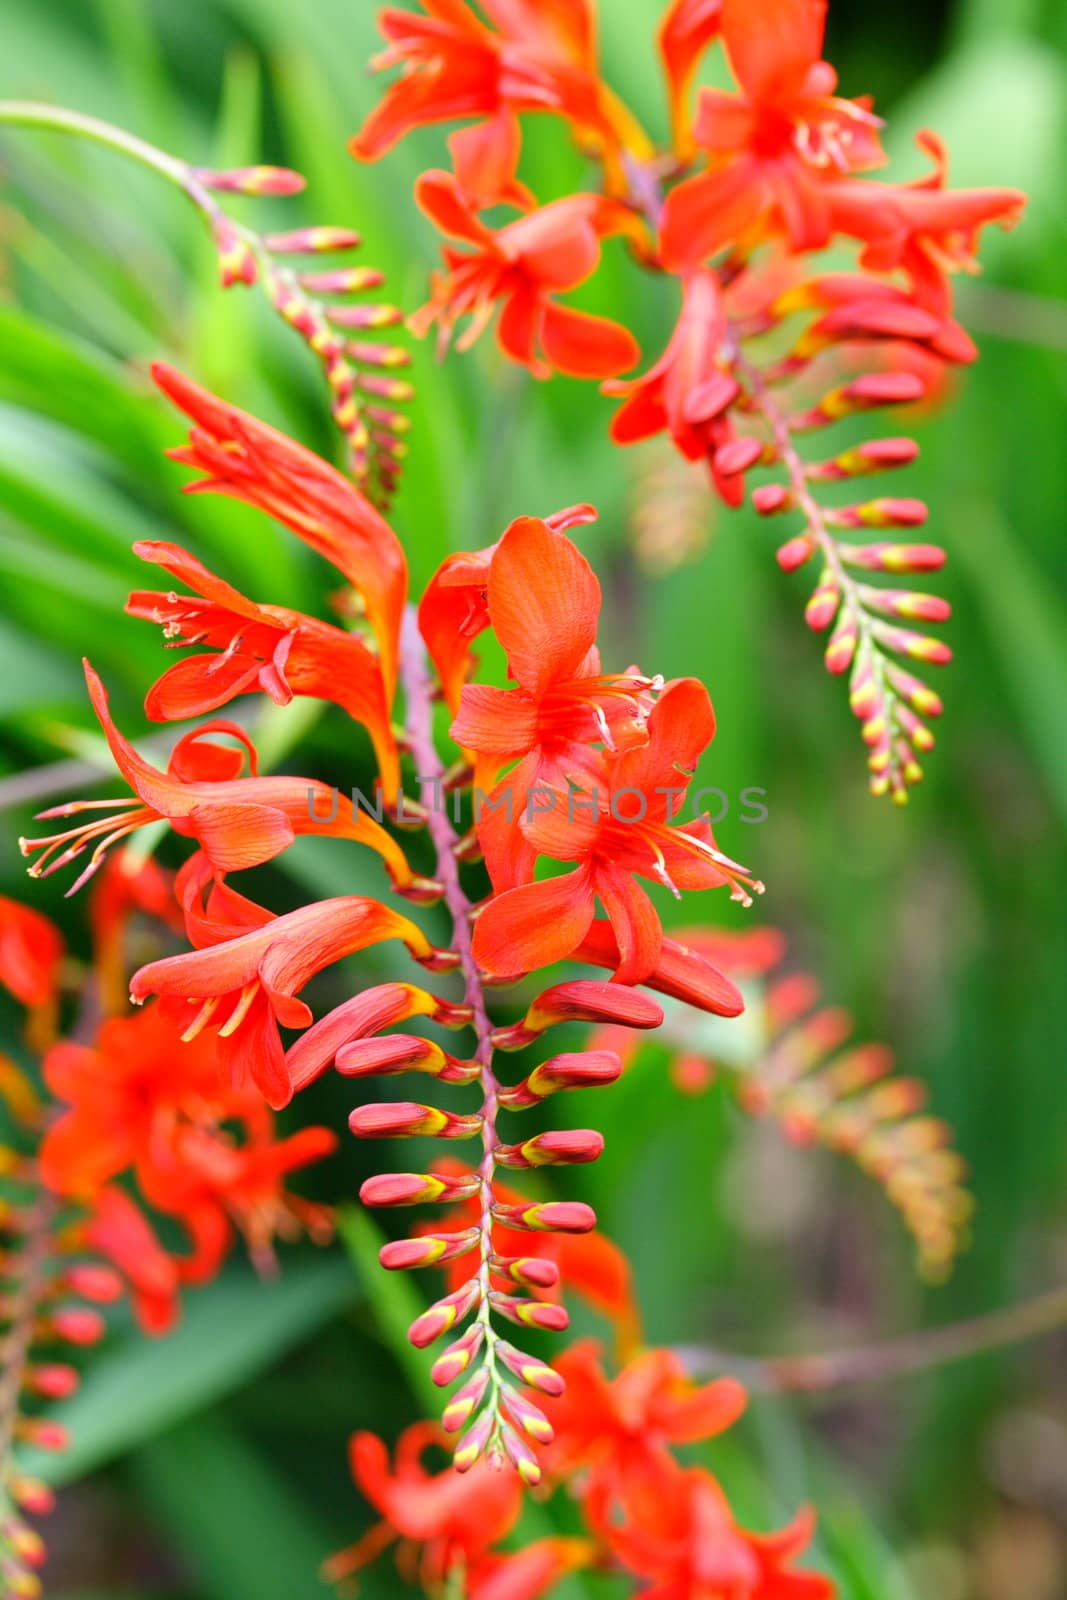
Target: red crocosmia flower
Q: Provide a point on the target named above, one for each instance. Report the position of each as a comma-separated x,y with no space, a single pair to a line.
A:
687,392
923,228
617,1431
454,608
543,603
119,1230
590,1264
524,265
687,28
539,55
237,821
686,1543
140,1101
442,1520
617,829
246,986
775,148
31,952
282,652
244,458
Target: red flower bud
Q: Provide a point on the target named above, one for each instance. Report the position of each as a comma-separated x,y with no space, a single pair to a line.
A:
404,1119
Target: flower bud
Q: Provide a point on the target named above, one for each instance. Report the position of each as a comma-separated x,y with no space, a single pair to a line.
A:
237,259
252,180
535,1374
443,1315
42,1433
416,1188
405,1119
310,241
54,1380
795,552
582,1000
341,280
458,1357
521,1456
388,1055
530,1313
771,498
77,1325
893,557
533,1272
822,607
473,1442
100,1284
903,642
736,456
567,1147
547,1216
530,1418
429,1250
463,1404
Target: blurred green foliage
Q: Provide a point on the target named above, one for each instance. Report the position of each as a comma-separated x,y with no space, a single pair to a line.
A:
943,928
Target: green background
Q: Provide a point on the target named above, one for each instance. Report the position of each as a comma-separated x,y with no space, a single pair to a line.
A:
219,1456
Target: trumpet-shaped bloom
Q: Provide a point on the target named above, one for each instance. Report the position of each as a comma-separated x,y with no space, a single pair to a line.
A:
139,1101
282,652
775,147
543,603
689,390
446,1523
617,1431
244,458
924,228
237,821
523,266
532,55
685,1544
245,986
619,829
454,609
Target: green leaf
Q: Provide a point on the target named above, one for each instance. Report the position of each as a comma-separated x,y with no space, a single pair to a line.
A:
230,1333
235,1521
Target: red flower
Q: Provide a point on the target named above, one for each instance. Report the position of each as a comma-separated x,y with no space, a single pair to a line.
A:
617,1431
543,603
447,1522
139,1101
539,55
31,952
454,609
245,986
689,391
238,822
127,886
619,828
777,146
243,457
282,652
119,1230
524,265
924,228
687,1544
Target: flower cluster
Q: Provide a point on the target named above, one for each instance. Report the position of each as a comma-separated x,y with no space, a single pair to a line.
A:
572,764
737,206
796,1060
644,1515
123,1131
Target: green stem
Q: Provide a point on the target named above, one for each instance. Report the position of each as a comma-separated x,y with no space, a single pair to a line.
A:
875,1363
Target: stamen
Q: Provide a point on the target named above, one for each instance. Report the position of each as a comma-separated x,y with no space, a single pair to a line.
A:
201,1020
240,1010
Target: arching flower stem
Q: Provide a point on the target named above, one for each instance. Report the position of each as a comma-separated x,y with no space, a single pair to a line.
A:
430,770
